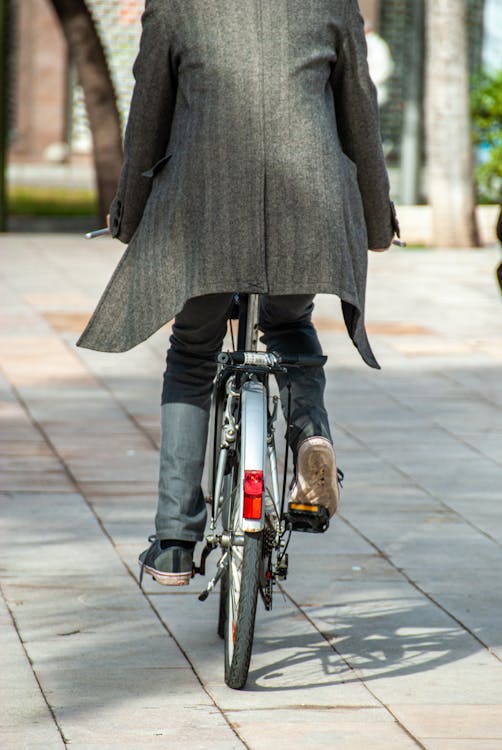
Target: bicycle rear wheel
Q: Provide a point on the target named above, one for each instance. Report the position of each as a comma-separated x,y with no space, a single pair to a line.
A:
222,610
244,526
228,489
241,593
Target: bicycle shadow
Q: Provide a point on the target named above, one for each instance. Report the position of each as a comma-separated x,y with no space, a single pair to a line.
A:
360,641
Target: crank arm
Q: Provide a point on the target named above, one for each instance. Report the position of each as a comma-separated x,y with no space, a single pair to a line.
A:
201,569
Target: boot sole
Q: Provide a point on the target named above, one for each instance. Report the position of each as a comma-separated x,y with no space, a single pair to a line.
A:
314,462
169,579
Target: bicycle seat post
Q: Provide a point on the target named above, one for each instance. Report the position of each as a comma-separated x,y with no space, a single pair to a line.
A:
252,322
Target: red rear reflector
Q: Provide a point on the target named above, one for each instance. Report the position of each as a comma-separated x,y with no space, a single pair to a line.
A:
253,494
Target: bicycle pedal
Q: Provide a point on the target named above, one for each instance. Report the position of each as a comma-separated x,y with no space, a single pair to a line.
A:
313,519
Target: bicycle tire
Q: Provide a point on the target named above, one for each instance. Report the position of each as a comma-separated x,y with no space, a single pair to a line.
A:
222,610
243,578
228,489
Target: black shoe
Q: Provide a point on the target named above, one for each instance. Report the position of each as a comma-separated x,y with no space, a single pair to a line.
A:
169,562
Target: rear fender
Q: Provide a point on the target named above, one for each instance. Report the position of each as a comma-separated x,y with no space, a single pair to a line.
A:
253,444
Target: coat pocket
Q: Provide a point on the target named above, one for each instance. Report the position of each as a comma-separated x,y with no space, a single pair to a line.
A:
157,166
352,166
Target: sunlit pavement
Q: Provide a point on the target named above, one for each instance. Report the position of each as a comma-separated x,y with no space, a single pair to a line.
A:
388,633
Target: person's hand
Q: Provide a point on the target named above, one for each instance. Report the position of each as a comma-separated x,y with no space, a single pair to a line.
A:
108,220
379,249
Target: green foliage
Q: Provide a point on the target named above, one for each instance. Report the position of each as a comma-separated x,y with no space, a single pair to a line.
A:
486,110
51,201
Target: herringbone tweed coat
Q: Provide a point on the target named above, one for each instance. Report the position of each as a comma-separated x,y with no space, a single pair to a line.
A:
252,162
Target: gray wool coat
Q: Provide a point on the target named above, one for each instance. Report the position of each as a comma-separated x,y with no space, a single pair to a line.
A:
253,162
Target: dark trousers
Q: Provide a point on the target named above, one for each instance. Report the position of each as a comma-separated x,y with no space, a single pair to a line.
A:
197,336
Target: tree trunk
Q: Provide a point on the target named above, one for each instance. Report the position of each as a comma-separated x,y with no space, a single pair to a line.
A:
4,107
411,142
448,126
104,119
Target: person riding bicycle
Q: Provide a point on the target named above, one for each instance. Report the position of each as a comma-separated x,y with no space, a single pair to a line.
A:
253,162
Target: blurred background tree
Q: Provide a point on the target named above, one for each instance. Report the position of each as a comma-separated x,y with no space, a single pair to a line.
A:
486,107
4,118
104,120
450,157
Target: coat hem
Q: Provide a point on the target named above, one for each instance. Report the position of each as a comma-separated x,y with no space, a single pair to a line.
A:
353,320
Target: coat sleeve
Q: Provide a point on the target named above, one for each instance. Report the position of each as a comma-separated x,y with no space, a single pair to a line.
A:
358,127
149,122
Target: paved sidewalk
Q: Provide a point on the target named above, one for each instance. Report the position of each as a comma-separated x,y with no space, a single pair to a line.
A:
389,632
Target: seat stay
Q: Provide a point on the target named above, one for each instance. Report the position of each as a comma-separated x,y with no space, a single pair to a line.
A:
274,478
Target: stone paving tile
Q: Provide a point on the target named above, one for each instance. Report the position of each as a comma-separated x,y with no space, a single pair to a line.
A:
133,532
484,382
58,301
126,509
40,360
27,463
15,450
196,728
482,511
487,443
88,443
433,744
44,481
451,479
36,464
139,368
25,719
15,424
92,490
294,729
135,467
351,567
14,323
61,416
452,721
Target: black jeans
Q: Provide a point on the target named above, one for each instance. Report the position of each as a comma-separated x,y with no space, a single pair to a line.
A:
197,336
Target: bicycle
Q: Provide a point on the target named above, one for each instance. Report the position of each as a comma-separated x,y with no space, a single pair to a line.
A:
249,522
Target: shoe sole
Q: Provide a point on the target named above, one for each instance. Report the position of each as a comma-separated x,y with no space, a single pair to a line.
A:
169,579
317,482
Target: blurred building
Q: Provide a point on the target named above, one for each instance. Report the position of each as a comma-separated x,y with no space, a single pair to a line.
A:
39,83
